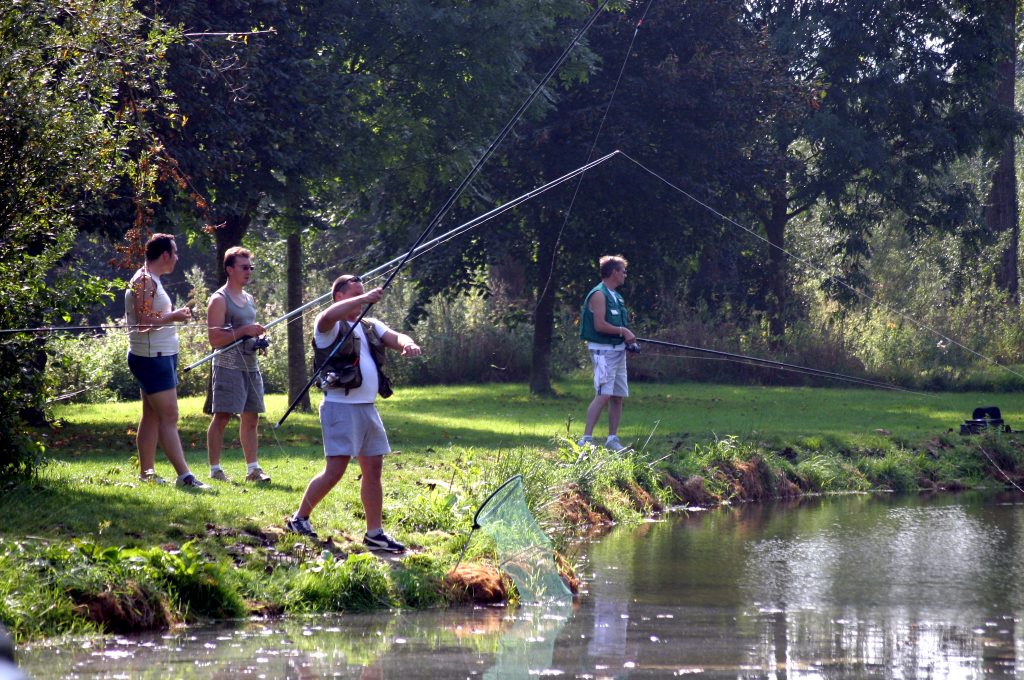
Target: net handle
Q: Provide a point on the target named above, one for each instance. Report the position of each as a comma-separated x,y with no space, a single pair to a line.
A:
494,493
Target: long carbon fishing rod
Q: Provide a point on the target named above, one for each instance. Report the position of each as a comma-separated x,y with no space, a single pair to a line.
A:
422,247
758,361
810,265
456,194
430,245
107,327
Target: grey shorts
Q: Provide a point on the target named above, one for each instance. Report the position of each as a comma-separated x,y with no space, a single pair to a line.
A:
352,430
610,372
236,391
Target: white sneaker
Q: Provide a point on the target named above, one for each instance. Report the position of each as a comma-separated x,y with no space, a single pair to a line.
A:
585,440
613,443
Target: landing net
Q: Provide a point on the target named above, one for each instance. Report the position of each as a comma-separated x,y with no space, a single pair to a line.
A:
525,552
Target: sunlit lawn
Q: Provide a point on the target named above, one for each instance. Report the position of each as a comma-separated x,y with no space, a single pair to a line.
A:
91,488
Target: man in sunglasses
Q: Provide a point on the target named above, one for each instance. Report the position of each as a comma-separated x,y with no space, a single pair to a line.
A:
237,382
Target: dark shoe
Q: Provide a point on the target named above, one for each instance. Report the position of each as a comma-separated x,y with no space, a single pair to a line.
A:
383,543
190,482
220,476
301,526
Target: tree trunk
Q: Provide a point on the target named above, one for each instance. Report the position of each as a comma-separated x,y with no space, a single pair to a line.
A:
544,314
775,269
1002,208
297,372
228,235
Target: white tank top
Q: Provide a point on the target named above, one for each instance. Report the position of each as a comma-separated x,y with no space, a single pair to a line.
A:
160,340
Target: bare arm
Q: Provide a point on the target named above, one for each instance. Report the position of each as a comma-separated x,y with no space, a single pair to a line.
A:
343,308
143,291
598,306
216,319
401,343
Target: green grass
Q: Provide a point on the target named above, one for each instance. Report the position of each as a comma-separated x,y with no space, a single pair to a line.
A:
456,444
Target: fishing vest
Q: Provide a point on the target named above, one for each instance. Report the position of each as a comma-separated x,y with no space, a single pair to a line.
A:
614,313
342,370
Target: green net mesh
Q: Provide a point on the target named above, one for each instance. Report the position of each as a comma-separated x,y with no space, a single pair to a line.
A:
525,552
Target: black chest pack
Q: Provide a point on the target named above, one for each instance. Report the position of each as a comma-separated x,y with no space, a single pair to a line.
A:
342,371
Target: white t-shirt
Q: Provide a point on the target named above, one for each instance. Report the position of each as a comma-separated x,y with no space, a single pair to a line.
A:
367,392
150,342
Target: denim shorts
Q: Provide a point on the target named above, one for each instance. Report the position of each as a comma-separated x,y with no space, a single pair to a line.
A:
154,374
352,430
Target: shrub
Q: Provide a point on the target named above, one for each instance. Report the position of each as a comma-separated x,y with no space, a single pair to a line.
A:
358,583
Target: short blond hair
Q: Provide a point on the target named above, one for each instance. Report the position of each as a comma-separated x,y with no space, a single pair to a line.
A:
609,263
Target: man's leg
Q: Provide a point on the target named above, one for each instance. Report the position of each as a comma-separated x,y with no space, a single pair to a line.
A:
371,491
614,415
165,404
147,436
594,412
322,484
248,433
215,436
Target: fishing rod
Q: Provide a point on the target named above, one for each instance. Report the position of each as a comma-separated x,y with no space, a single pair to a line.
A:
455,195
424,247
106,326
758,361
448,204
428,246
863,295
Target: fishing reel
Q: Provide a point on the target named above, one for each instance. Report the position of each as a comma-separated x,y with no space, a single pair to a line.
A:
633,347
256,345
328,380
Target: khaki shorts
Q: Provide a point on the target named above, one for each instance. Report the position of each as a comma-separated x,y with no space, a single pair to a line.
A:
610,372
236,391
352,430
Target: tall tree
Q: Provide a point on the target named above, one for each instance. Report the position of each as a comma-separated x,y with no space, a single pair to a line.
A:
687,104
1002,213
76,78
344,98
898,91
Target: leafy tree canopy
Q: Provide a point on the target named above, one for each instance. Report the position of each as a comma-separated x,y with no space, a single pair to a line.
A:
76,77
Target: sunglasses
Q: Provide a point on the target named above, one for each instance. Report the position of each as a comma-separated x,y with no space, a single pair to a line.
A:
246,267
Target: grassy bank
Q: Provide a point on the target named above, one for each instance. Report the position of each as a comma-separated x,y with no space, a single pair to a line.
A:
86,547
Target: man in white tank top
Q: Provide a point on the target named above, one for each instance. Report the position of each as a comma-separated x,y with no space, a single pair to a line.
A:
153,360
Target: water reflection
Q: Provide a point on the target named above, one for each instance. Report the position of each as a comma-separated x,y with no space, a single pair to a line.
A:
854,586
486,642
839,587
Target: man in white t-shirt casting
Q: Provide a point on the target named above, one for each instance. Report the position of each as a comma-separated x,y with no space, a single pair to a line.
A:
349,420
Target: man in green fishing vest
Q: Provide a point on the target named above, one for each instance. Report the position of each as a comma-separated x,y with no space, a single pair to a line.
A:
604,325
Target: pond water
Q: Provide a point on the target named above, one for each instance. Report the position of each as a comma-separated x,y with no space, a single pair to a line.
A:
849,586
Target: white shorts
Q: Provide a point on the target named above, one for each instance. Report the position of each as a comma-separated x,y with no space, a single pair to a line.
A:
352,430
610,372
